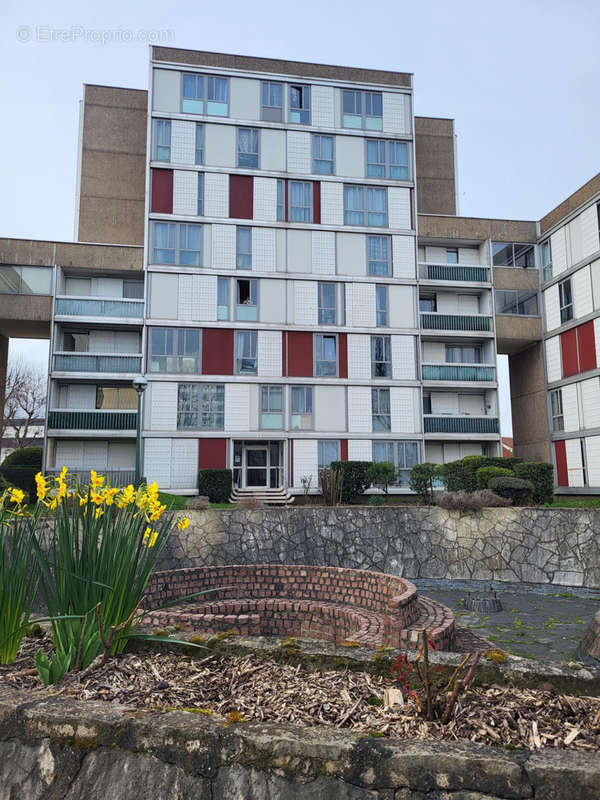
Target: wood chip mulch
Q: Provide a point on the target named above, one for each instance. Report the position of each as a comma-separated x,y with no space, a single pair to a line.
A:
270,692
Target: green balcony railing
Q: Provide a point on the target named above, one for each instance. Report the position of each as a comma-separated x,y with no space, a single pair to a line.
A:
455,322
115,477
97,362
461,424
80,307
457,372
454,272
92,420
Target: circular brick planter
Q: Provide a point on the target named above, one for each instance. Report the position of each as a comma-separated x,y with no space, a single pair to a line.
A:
328,603
591,640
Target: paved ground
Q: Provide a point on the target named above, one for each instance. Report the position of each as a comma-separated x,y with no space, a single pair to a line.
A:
536,622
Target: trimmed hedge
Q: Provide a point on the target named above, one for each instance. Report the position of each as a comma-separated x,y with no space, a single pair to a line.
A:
23,478
517,490
24,457
541,475
355,478
461,475
422,477
484,475
215,484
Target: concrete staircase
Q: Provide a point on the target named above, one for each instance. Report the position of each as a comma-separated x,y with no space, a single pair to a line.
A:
269,497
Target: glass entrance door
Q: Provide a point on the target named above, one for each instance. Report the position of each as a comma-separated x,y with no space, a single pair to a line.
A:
257,463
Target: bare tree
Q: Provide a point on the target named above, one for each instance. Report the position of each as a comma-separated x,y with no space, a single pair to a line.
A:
24,402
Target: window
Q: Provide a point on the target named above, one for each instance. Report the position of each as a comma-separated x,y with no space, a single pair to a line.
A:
248,147
514,302
177,243
382,418
379,253
200,194
199,148
244,248
280,201
201,405
325,355
246,300
133,290
427,402
76,342
511,254
381,305
403,455
565,297
558,422
300,104
193,93
451,255
381,359
362,110
195,88
123,398
327,305
223,298
387,159
174,350
272,101
428,304
546,256
328,451
301,196
462,354
365,205
322,154
271,407
301,408
162,140
246,345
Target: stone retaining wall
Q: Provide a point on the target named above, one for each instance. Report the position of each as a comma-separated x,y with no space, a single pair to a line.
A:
54,748
537,545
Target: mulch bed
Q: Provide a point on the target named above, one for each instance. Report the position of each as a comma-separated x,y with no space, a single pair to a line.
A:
266,691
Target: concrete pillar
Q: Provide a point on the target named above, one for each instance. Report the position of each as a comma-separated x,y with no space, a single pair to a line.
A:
528,403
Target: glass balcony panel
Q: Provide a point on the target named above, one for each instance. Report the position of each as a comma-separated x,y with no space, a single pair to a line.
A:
93,362
99,308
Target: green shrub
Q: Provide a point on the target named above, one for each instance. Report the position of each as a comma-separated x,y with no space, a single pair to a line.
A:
382,473
215,484
355,477
422,477
454,476
541,474
505,463
376,500
517,490
485,474
21,477
24,457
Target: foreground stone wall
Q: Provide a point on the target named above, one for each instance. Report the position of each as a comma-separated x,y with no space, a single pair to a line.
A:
537,545
59,749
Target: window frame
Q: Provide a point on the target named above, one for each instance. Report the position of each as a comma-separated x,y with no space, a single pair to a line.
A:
428,298
253,296
565,301
254,155
398,446
382,289
497,247
386,361
452,251
365,192
305,108
381,420
320,447
200,208
307,185
268,389
306,391
207,84
253,338
264,107
243,258
557,411
475,347
317,360
118,406
174,229
200,390
223,281
199,148
323,310
177,337
383,167
316,144
159,124
386,237
280,201
520,297
362,112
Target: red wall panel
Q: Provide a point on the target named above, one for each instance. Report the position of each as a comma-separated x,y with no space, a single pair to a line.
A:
586,346
568,347
212,454
316,202
217,351
344,449
241,196
562,475
343,355
300,354
162,191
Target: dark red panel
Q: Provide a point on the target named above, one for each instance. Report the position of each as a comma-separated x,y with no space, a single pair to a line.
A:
343,355
568,347
212,454
562,475
586,346
241,196
162,191
284,353
217,351
316,202
344,449
300,354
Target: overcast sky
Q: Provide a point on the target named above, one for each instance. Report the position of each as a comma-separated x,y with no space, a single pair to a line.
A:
520,78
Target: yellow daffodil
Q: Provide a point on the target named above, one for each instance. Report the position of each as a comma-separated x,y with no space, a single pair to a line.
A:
42,488
83,499
183,523
96,497
109,496
96,481
16,496
127,497
98,512
150,537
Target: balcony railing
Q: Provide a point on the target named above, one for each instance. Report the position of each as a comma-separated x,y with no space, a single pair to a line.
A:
457,372
460,424
97,362
455,322
115,477
454,272
97,307
92,420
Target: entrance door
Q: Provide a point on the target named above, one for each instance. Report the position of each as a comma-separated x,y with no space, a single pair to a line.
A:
257,461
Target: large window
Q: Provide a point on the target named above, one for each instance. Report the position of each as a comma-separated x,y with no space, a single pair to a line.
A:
246,308
301,408
123,398
201,406
428,304
463,354
379,255
565,297
362,110
174,350
511,254
133,290
199,144
387,159
546,257
403,455
25,280
248,147
271,407
162,140
381,305
514,302
301,197
205,94
365,205
177,243
328,451
381,357
382,415
322,154
272,101
246,350
223,298
325,355
327,304
244,248
558,420
300,104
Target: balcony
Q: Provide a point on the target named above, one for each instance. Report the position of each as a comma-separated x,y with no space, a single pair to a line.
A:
449,424
97,362
455,322
454,272
92,420
115,477
97,307
457,372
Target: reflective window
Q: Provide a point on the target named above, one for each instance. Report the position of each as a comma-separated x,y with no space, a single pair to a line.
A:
382,418
174,350
381,357
325,355
328,451
362,110
271,407
327,304
248,147
300,104
116,397
201,406
463,354
512,254
25,280
300,201
381,305
272,101
558,422
223,298
199,146
515,302
379,255
177,243
162,140
365,205
565,297
244,248
301,408
386,159
402,454
246,352
322,154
